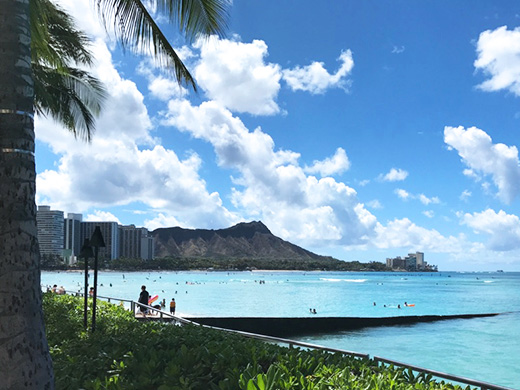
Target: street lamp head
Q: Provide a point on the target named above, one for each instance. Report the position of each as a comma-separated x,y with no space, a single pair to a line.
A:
86,250
97,240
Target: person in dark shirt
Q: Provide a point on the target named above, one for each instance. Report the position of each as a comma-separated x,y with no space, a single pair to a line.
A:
143,299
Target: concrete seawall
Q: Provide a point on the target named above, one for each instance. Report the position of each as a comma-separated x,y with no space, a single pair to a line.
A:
291,326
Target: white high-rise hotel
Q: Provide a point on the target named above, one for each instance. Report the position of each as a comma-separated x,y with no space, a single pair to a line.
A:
412,262
50,230
65,236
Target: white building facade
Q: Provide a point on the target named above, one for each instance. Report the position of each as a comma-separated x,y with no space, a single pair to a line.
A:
50,225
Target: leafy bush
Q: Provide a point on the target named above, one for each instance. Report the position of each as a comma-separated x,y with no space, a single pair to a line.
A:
124,353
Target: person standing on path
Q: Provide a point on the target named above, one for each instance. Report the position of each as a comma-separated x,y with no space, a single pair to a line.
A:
143,299
172,306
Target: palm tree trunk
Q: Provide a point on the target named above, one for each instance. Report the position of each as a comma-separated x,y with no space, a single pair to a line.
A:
24,355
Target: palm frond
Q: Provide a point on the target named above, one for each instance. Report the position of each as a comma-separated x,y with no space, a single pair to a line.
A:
70,95
136,29
73,98
196,18
55,40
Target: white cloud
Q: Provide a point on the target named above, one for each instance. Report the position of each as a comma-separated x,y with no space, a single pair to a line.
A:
403,233
403,194
330,166
471,174
482,157
398,49
123,164
160,86
101,216
426,201
316,79
502,228
428,213
271,185
465,195
235,75
85,17
164,220
118,175
375,204
499,58
394,175
164,88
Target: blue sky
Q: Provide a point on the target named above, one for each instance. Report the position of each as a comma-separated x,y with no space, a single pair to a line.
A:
360,130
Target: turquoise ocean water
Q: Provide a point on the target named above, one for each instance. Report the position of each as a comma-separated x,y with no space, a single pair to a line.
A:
487,349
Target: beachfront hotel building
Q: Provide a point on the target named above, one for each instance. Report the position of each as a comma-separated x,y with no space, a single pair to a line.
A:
72,243
64,237
135,243
110,233
50,231
412,262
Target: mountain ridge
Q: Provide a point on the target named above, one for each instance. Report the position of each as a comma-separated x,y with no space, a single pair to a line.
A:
244,240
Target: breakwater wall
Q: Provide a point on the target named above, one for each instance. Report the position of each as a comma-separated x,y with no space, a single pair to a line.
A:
292,326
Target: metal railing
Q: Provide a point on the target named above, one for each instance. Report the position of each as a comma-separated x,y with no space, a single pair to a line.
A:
443,375
378,359
164,316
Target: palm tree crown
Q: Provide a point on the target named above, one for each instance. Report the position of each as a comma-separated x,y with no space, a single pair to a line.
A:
64,91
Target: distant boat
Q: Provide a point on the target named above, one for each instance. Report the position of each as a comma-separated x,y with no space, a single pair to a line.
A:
500,270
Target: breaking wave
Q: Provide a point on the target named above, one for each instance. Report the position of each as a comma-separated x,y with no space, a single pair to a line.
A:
344,280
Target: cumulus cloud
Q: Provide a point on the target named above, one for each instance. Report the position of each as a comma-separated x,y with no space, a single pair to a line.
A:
165,220
499,58
465,195
403,194
503,229
403,233
85,17
271,184
124,164
483,158
315,79
154,177
330,166
235,75
394,175
99,215
426,201
160,86
375,204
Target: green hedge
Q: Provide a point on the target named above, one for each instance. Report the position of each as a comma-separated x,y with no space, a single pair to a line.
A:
126,354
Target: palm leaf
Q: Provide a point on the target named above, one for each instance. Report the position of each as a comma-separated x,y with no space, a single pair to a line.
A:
196,18
136,29
54,38
72,97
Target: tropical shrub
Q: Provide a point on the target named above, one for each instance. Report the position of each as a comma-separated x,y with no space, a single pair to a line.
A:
124,353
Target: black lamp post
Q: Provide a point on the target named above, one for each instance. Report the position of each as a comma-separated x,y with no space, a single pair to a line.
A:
86,252
96,241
